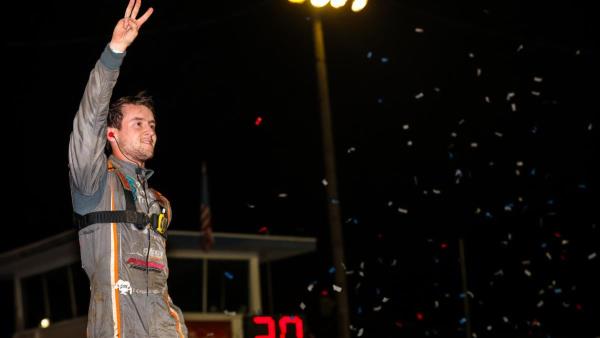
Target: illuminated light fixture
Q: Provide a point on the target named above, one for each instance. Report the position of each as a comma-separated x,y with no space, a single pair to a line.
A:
338,3
296,1
358,5
319,3
45,323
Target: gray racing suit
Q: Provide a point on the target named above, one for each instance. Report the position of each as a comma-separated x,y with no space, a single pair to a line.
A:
126,264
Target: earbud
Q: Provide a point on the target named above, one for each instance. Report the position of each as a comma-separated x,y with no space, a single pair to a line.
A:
111,134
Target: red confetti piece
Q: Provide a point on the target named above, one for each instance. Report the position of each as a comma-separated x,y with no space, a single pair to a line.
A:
324,293
557,234
443,245
258,121
263,230
420,316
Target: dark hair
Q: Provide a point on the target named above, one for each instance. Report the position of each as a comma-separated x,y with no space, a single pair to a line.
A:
115,112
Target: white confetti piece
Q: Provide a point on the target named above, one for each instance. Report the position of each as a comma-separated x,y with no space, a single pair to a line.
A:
471,55
436,304
402,211
535,93
419,96
251,206
377,308
419,30
311,286
369,55
409,143
527,273
453,134
520,48
489,328
282,195
549,256
351,150
385,300
540,303
229,313
436,191
513,106
437,89
337,288
591,256
474,144
487,99
578,52
405,127
509,96
478,72
505,319
589,127
324,182
384,60
302,306
519,163
390,203
360,332
537,79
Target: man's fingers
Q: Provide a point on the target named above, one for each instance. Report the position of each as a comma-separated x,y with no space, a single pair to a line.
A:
145,17
136,9
129,8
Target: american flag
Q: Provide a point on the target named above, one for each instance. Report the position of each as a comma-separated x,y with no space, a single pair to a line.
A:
205,214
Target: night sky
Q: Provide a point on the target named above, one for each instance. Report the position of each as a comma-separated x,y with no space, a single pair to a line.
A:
472,119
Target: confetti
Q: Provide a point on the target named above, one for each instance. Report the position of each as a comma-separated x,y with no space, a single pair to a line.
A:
403,211
419,30
337,288
302,306
258,121
419,96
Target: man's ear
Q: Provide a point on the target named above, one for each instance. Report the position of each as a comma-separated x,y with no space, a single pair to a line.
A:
110,134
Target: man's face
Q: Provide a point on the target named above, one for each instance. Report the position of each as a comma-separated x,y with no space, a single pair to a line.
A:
137,136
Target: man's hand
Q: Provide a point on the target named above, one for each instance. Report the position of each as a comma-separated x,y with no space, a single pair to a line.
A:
127,28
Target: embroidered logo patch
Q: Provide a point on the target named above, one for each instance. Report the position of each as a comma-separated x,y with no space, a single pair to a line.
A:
124,287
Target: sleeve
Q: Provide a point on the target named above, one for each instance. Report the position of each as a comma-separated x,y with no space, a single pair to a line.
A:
87,160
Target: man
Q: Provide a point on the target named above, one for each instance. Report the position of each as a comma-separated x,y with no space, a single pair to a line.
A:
122,221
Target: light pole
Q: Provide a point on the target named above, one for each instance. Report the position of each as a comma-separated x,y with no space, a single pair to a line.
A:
333,205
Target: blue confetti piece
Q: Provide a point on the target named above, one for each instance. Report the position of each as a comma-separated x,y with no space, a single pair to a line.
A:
582,187
369,55
462,321
332,270
229,275
488,215
550,202
450,155
359,310
384,60
544,245
558,291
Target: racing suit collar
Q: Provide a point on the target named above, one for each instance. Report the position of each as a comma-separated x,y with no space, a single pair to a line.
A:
129,168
